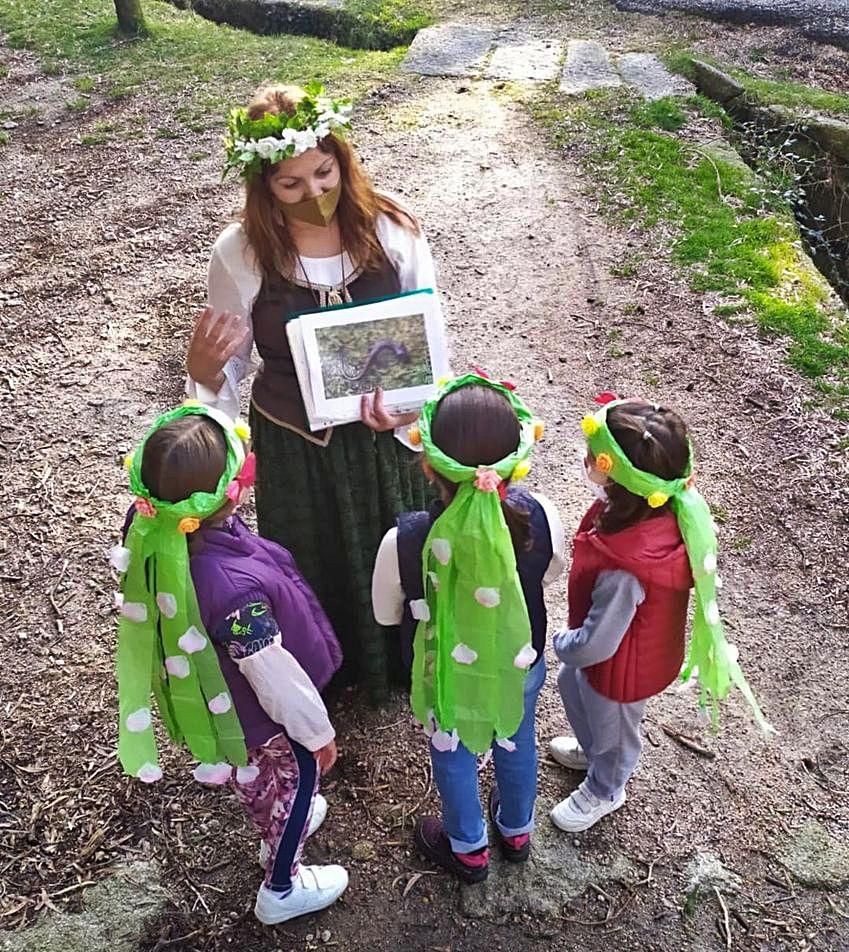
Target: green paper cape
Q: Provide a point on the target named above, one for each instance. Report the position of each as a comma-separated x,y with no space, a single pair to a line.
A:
709,656
472,646
163,648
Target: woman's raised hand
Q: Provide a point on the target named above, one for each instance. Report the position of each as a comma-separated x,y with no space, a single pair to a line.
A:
375,415
215,339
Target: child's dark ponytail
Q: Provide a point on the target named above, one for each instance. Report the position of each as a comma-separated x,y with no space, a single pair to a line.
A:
477,427
655,440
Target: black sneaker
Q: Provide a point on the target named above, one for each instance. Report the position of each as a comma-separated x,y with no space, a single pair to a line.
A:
432,842
511,853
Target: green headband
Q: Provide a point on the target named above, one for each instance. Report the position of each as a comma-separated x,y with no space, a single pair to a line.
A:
709,655
163,648
472,648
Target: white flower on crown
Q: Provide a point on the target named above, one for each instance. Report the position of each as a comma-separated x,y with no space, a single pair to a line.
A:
304,139
266,148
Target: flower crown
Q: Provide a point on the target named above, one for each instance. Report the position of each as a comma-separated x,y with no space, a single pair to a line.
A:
250,142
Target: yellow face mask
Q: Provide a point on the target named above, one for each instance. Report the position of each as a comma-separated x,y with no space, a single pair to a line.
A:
318,210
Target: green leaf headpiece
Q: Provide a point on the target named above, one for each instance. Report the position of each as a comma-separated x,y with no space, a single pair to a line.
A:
273,138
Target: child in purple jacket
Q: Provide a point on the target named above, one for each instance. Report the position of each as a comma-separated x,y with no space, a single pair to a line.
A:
273,643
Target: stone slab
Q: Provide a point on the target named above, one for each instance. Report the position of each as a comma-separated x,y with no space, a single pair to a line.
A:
452,49
557,872
587,67
522,58
651,78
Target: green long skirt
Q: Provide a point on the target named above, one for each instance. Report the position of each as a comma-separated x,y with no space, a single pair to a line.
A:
331,506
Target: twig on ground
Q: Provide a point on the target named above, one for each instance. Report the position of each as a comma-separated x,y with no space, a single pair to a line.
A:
688,742
725,923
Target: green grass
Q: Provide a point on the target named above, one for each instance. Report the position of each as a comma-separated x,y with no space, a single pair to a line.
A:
216,66
728,235
782,92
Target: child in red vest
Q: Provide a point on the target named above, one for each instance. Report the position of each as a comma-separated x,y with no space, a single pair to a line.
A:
629,586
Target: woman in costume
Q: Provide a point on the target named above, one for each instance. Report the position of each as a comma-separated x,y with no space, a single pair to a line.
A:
640,547
466,582
221,628
313,233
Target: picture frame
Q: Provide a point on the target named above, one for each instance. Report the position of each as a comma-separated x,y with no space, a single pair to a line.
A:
342,352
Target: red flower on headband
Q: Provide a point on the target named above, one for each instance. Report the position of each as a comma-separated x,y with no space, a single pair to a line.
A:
605,397
504,383
244,480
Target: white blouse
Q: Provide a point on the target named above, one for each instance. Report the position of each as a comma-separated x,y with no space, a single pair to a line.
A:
235,278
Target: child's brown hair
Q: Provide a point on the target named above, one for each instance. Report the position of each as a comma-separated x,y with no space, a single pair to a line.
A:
655,440
477,426
186,456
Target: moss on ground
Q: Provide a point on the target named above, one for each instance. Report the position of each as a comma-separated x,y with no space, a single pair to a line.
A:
731,235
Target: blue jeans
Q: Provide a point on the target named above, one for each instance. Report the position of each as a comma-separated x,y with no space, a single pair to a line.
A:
456,776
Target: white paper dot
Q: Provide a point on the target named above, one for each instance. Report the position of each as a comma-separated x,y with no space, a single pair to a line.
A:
119,558
444,741
434,580
220,704
191,641
710,562
441,549
177,666
135,611
712,613
149,773
212,773
488,597
246,774
139,720
167,604
463,654
419,609
506,744
526,657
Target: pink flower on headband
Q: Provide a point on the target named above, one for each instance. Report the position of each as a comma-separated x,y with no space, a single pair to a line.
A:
245,479
605,397
487,480
144,507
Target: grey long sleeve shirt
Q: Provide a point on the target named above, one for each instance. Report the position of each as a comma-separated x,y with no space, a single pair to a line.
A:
616,596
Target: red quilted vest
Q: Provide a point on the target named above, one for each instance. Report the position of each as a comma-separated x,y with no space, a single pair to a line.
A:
651,653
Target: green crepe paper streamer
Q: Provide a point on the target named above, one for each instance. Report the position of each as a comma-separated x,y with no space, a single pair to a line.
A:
708,653
159,563
469,549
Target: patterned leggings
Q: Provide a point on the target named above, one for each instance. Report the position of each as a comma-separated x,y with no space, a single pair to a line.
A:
279,800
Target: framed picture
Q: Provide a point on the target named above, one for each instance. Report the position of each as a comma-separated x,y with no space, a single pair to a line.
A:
343,352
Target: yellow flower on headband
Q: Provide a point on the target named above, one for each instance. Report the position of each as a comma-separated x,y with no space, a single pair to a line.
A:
590,426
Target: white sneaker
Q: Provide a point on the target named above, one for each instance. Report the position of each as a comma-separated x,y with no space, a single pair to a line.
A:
319,812
567,751
582,810
314,888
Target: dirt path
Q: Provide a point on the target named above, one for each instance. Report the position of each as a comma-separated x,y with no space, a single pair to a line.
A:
105,254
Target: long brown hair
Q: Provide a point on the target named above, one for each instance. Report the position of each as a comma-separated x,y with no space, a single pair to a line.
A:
185,456
476,426
655,440
359,203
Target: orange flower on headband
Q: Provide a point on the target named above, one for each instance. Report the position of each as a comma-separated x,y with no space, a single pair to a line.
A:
604,463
